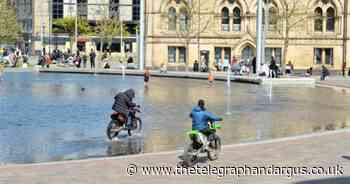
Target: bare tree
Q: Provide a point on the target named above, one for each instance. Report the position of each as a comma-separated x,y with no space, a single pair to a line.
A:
191,24
294,13
109,26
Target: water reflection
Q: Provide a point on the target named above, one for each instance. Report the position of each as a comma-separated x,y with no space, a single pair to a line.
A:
126,146
46,117
228,101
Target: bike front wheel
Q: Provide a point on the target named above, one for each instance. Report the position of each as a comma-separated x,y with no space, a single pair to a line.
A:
214,148
110,133
136,126
189,156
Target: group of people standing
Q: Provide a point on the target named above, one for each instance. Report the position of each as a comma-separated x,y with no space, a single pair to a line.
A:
15,56
245,67
79,59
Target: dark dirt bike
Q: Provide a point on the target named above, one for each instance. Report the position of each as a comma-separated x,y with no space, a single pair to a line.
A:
119,123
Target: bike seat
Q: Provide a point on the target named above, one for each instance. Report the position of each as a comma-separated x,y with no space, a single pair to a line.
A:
193,133
118,116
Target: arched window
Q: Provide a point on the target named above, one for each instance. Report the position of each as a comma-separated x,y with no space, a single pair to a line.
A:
330,19
172,19
183,20
318,21
273,18
236,19
225,19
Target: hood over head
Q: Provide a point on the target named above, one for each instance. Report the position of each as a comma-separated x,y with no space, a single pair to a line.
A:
130,93
197,109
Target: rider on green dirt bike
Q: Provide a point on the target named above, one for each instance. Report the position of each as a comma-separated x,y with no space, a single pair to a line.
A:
201,117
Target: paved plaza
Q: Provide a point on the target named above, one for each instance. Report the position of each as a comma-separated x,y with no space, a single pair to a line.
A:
327,149
172,66
336,82
316,150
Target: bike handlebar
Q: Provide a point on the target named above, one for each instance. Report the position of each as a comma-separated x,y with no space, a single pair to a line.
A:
136,108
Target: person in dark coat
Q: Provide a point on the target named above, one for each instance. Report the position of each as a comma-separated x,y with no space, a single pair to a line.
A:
254,65
195,66
273,68
77,60
324,72
123,102
130,60
92,58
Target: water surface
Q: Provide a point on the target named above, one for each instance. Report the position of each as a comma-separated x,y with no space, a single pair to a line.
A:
51,117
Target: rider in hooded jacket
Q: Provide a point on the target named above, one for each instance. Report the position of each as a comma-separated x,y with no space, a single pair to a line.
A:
123,102
200,118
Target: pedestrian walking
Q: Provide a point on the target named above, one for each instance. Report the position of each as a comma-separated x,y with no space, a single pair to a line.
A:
146,76
77,60
92,58
273,68
211,78
195,66
324,72
254,65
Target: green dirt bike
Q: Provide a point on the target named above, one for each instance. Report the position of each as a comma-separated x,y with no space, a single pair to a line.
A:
201,143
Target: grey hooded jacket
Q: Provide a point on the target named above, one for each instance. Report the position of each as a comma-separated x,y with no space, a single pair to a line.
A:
123,101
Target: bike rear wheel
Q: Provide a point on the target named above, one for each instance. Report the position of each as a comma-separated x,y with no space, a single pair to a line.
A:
189,159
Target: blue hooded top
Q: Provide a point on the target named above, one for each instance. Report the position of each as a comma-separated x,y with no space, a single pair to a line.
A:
200,118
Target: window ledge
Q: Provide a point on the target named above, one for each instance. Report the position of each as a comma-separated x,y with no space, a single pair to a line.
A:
178,64
326,65
325,33
230,32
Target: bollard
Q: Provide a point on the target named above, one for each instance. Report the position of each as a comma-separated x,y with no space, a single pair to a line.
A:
123,71
229,76
270,92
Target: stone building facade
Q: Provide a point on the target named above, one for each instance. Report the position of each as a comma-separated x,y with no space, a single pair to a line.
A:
44,12
223,29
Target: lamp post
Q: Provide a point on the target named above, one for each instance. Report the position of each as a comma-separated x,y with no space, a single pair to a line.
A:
265,30
199,31
30,47
345,35
122,46
121,39
259,38
76,27
142,34
42,33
